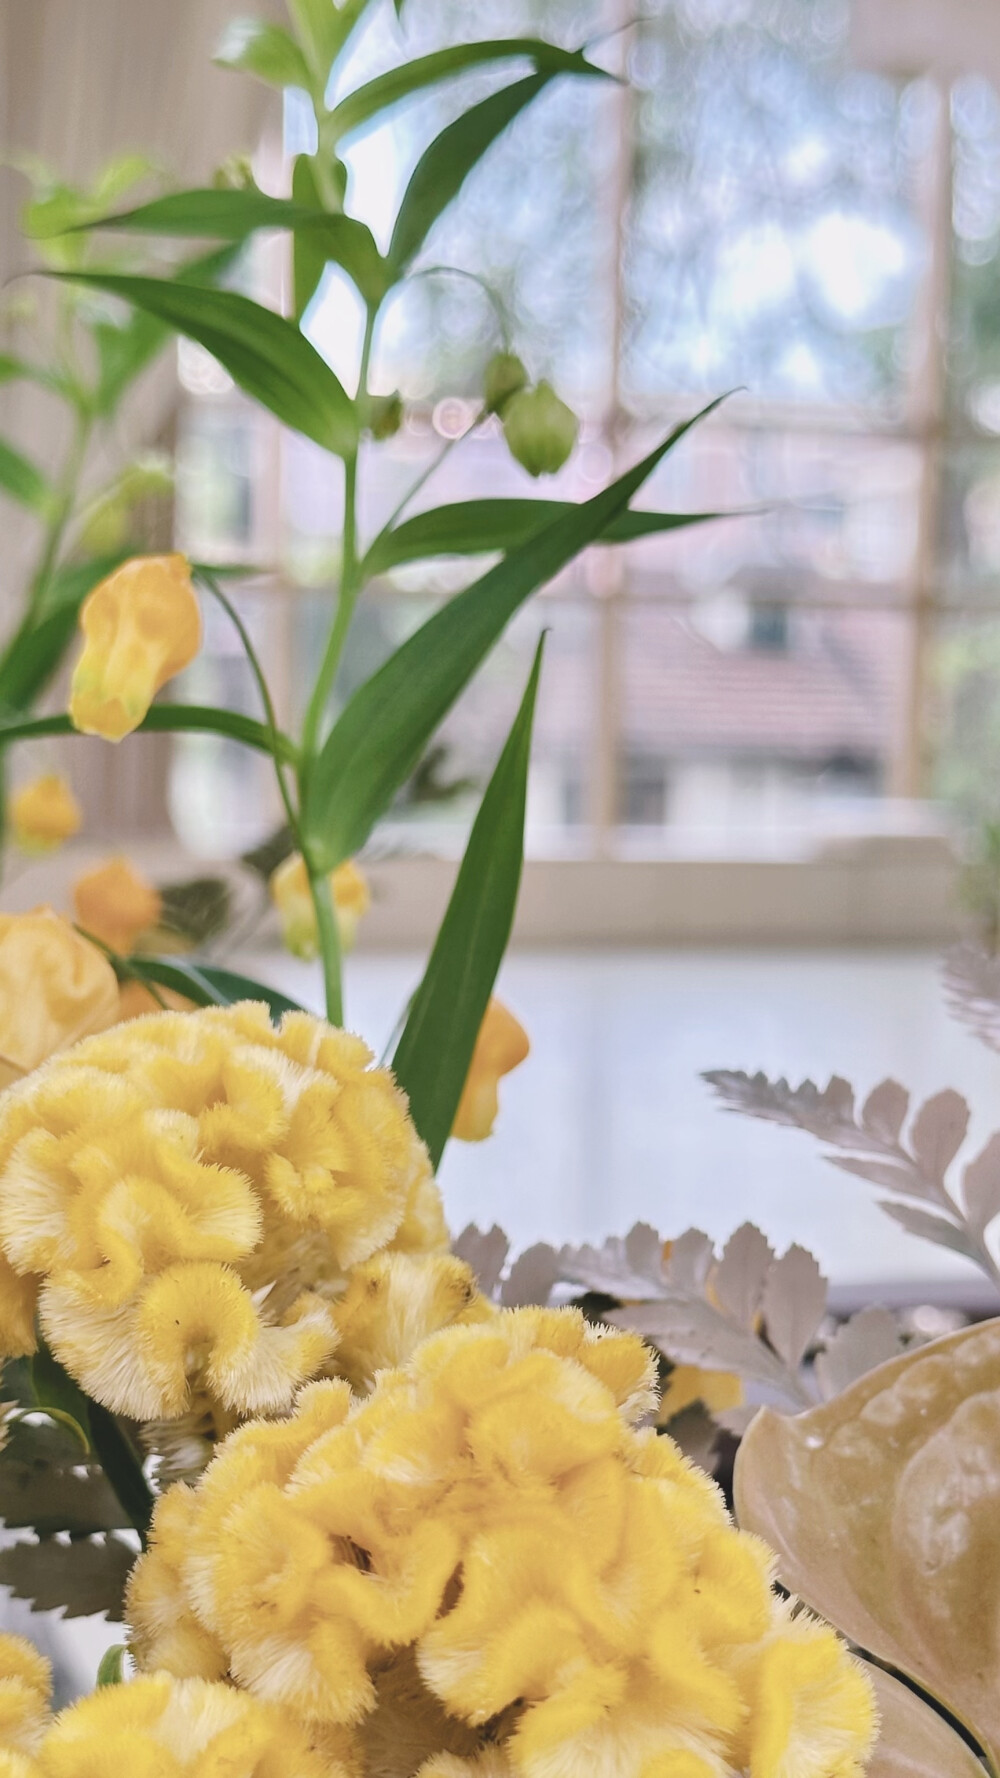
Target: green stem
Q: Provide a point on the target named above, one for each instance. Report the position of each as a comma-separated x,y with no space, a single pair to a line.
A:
62,510
121,1465
211,585
329,942
423,478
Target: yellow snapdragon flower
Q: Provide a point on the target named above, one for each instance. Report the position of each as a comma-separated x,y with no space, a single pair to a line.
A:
141,626
44,813
488,1567
158,1727
187,1198
116,903
291,896
501,1046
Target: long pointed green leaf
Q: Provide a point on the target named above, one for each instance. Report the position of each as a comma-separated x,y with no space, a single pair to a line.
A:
384,729
361,106
234,215
32,656
444,167
170,719
265,354
481,527
124,349
22,479
206,985
254,47
432,1058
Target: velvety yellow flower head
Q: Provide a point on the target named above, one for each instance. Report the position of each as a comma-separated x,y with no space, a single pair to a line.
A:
116,903
54,989
502,1045
291,896
140,626
44,813
484,1570
152,1728
187,1199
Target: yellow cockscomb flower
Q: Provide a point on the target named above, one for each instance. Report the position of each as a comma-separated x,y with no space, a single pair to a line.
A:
141,626
188,1196
484,1570
502,1045
25,1689
54,989
116,903
291,896
44,813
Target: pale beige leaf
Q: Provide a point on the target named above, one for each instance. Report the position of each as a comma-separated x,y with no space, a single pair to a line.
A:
938,1132
884,1111
869,1339
794,1304
739,1278
485,1252
883,1506
914,1742
981,1187
972,986
531,1277
631,1268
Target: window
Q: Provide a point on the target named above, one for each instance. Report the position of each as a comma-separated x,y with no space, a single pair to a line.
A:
750,211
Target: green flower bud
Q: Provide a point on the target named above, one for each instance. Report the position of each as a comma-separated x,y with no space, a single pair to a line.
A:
505,376
541,430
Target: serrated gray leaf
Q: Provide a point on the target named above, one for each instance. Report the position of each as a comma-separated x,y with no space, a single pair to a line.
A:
938,1132
870,1338
932,1228
972,989
609,1271
981,1187
691,1331
890,1176
485,1252
884,1111
531,1277
44,1487
644,1250
736,1420
794,1304
689,1262
827,1112
739,1278
82,1578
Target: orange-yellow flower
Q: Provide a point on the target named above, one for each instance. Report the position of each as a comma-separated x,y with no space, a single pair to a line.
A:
44,814
116,904
54,989
140,626
291,896
501,1045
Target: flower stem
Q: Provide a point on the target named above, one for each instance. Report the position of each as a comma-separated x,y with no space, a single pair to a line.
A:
62,510
329,942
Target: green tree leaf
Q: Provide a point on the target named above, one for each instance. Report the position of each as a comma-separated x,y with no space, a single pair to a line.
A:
268,51
265,354
432,1058
361,106
382,733
23,480
319,28
206,985
481,527
170,719
444,167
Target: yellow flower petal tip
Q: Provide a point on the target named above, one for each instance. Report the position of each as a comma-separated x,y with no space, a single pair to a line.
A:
501,1046
292,897
116,903
25,1690
54,989
45,813
488,1568
141,626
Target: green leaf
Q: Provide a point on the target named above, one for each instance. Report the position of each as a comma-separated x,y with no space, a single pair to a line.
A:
206,985
384,729
267,51
122,1465
265,354
20,370
481,527
162,719
319,28
56,1394
33,657
111,1670
443,168
361,106
82,1578
124,349
309,255
432,1059
198,910
46,1486
22,480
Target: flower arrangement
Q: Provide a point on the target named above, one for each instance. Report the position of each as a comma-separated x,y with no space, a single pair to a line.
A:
373,1503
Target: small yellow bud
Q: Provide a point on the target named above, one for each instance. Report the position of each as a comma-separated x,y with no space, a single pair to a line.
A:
116,904
540,430
44,814
54,989
140,626
687,1384
291,896
501,1045
505,377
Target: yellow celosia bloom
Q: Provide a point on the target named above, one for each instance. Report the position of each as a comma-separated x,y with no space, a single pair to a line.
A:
291,896
483,1570
188,1197
140,626
54,989
502,1044
44,813
116,903
152,1728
